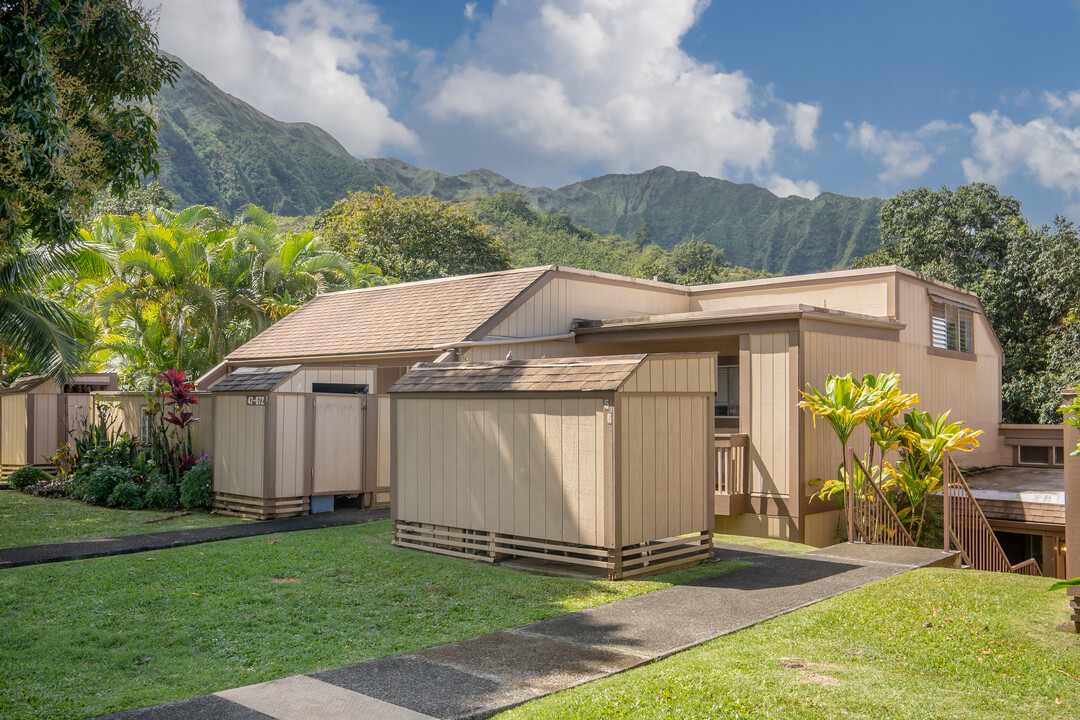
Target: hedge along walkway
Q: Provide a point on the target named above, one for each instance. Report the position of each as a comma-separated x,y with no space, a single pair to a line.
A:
102,547
477,677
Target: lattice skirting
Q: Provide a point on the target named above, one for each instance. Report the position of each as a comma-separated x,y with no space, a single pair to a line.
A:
1074,601
260,508
629,561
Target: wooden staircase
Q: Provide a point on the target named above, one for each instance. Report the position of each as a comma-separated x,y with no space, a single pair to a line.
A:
968,530
872,519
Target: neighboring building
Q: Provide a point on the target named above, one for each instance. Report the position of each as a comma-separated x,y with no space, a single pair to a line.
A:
771,338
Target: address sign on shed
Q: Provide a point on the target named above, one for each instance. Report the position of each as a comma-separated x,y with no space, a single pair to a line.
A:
256,400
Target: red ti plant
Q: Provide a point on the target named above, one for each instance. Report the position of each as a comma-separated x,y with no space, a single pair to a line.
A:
178,394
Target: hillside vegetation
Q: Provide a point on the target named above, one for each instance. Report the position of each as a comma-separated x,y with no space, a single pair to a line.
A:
219,151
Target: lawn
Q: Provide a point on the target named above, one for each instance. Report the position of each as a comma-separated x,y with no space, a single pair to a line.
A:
86,638
27,520
927,644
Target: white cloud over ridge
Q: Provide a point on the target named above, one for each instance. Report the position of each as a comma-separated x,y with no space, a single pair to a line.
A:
904,155
320,65
1044,148
605,82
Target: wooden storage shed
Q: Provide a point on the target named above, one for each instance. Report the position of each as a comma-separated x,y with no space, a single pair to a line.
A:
605,462
36,413
288,437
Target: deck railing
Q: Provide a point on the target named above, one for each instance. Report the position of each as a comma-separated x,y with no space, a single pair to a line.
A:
967,528
732,464
871,516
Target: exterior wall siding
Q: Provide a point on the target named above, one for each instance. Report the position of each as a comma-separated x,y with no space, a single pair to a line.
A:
523,466
241,448
46,436
13,429
555,306
866,296
291,464
767,415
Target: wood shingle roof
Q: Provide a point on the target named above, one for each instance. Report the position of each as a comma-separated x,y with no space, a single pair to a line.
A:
592,374
392,318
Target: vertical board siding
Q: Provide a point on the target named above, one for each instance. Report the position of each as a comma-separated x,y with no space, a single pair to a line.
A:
291,460
971,390
553,308
769,409
13,429
665,482
866,296
522,466
240,432
45,437
303,380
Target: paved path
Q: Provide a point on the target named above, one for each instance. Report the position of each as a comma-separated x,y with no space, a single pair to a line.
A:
482,675
84,549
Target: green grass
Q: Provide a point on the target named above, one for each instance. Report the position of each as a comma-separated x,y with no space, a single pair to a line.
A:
927,644
86,638
766,543
27,520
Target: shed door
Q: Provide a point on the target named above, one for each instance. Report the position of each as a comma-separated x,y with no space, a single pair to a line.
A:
339,444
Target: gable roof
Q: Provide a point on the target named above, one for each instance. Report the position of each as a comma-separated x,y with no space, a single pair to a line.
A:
590,374
413,316
254,379
24,384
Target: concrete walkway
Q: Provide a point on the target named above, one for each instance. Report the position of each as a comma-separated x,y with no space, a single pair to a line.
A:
482,675
102,547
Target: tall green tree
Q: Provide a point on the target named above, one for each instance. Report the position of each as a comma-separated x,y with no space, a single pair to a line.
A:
411,238
72,76
1028,279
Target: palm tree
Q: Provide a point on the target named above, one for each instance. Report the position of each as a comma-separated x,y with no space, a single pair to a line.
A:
39,335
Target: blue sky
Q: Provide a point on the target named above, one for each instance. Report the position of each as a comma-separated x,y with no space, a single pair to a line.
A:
858,98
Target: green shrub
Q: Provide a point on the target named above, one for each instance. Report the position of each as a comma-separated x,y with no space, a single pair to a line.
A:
197,486
26,476
127,493
160,493
100,483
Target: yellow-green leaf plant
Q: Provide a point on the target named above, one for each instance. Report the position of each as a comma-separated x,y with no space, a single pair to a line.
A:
923,441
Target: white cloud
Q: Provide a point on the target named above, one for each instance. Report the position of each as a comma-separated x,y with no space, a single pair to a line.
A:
1066,105
604,83
1047,150
905,155
326,63
470,10
803,119
783,187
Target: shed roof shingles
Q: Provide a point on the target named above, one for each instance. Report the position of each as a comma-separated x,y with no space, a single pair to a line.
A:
392,318
557,375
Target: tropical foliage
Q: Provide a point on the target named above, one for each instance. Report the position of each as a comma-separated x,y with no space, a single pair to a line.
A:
73,80
917,444
1026,276
184,289
412,238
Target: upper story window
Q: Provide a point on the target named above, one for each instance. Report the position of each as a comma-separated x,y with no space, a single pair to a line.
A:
950,327
727,391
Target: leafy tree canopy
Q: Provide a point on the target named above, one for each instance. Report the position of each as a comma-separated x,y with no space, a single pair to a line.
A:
412,238
140,200
1028,279
72,73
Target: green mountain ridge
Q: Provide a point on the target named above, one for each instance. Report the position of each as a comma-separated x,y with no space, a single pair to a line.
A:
218,150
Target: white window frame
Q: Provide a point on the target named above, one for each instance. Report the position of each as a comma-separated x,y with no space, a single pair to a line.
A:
952,327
